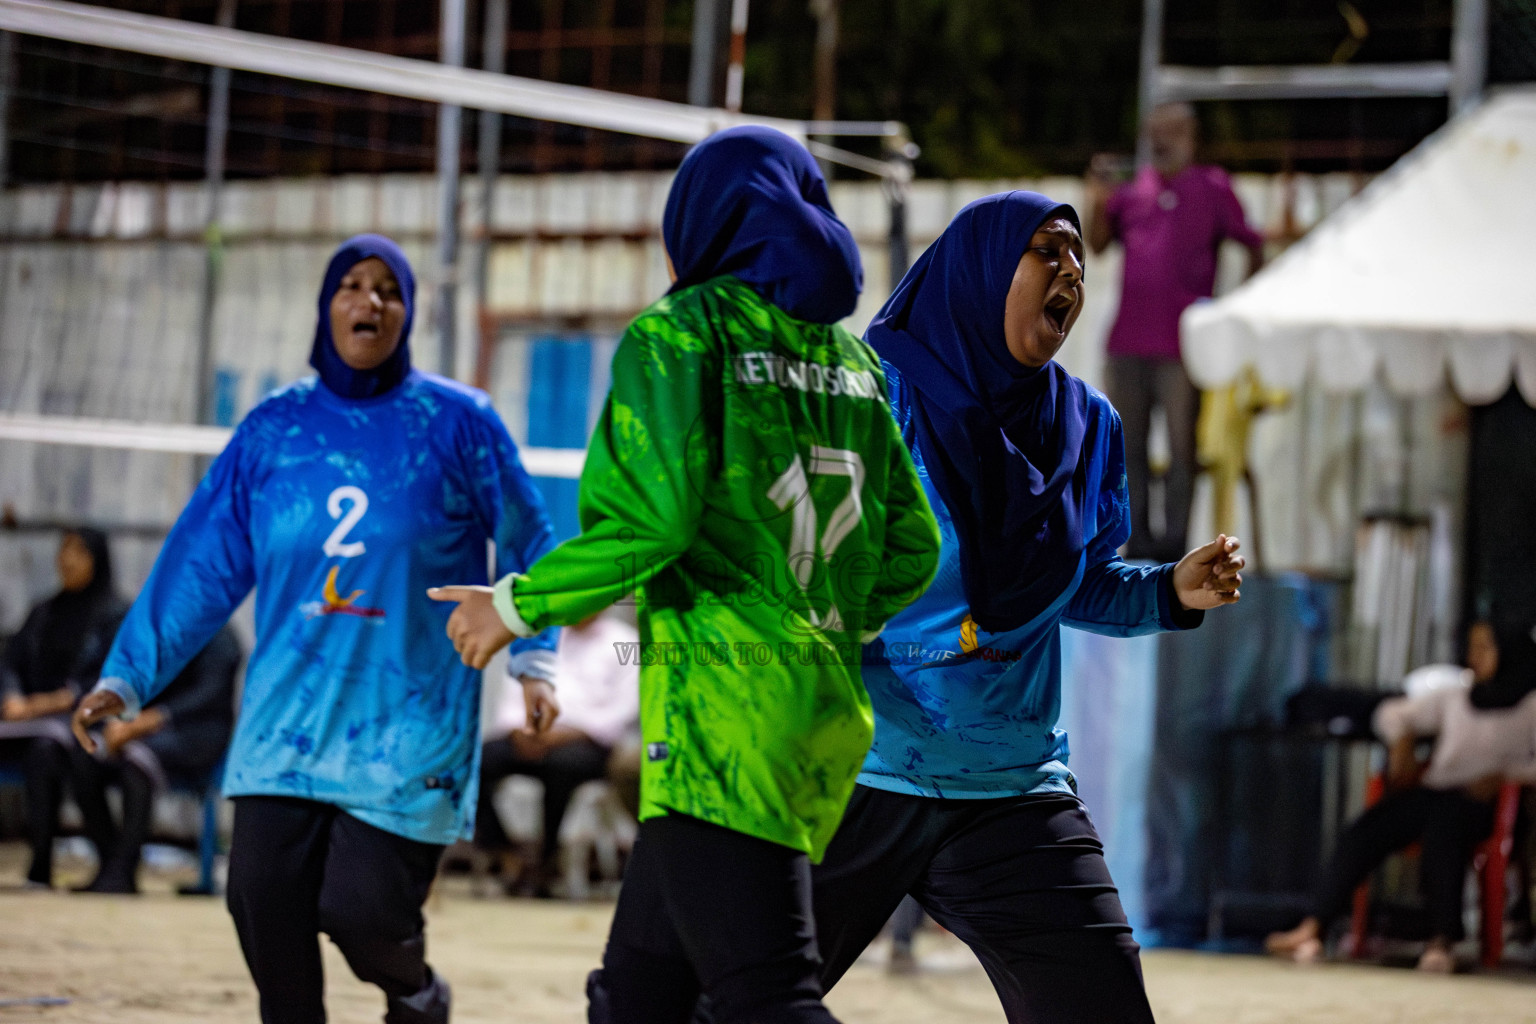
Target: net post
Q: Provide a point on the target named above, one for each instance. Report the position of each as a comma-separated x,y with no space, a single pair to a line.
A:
213,240
1151,70
7,61
900,151
1469,54
449,127
488,162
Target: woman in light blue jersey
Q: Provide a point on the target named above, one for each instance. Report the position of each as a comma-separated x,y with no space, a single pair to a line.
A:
965,800
354,761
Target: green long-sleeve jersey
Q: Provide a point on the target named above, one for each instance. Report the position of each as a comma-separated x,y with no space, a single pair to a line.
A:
747,482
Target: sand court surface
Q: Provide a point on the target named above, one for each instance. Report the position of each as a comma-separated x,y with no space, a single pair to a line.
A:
161,959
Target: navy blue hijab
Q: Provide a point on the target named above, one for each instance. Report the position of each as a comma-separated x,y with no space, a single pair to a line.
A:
1516,675
1002,441
750,202
335,374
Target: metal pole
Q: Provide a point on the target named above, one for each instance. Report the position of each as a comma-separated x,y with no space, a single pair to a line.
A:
1151,65
213,191
7,60
701,70
449,123
735,72
824,70
899,154
493,58
1469,54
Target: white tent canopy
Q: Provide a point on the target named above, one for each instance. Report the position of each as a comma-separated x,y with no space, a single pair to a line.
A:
1432,266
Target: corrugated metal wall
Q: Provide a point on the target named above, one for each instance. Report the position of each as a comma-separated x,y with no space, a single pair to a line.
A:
99,292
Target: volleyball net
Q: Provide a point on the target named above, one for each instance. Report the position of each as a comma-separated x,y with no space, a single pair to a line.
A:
141,319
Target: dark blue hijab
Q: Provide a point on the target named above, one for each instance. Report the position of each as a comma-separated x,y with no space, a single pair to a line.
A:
750,202
334,372
1001,441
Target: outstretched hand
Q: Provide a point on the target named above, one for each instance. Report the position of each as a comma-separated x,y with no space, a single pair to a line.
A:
475,627
1209,576
97,707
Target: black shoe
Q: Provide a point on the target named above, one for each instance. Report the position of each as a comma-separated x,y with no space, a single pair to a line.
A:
40,875
111,883
429,1006
902,961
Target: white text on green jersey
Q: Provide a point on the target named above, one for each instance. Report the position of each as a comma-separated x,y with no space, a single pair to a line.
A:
771,368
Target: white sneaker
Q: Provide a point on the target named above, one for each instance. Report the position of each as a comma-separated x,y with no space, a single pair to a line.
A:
1309,951
1437,961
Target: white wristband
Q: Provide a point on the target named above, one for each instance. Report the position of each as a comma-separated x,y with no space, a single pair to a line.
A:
506,607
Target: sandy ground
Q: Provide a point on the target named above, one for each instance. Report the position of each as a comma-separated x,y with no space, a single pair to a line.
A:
165,959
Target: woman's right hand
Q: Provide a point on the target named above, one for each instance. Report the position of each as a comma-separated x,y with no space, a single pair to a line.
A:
1486,788
96,707
1403,767
23,708
15,708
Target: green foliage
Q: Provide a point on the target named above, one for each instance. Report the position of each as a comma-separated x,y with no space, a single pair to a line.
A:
989,87
1010,87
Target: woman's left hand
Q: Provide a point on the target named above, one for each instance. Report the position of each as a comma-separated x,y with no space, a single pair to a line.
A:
1209,576
117,734
540,703
97,707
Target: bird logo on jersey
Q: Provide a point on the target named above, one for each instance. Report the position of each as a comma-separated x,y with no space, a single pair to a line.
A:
967,634
972,647
332,603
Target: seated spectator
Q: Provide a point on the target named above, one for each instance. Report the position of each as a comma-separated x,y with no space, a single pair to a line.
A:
624,769
182,734
909,917
598,690
46,666
1485,735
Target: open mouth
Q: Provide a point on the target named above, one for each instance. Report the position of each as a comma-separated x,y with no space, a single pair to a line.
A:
1057,308
365,330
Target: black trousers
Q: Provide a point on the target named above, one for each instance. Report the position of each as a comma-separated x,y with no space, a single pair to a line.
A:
298,868
138,779
705,909
46,767
561,770
1449,825
1021,880
1135,385
117,848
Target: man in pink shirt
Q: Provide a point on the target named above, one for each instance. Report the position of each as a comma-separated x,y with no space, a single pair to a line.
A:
1171,218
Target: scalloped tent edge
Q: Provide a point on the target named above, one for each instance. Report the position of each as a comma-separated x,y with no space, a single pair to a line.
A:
1427,277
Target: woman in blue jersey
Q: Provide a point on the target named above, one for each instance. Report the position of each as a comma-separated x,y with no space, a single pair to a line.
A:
354,761
965,800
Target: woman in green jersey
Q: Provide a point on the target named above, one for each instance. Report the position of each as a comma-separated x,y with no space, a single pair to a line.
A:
747,482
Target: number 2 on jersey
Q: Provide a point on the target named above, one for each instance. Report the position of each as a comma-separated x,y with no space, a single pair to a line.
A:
336,545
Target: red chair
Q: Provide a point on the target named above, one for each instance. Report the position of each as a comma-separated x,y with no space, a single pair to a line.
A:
1490,861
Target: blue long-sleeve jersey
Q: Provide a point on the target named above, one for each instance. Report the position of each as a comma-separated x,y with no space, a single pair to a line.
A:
342,513
960,712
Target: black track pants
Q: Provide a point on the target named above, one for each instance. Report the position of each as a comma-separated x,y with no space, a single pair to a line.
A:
298,868
706,909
